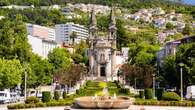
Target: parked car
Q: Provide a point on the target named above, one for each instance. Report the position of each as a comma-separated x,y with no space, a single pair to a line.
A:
190,93
15,97
5,96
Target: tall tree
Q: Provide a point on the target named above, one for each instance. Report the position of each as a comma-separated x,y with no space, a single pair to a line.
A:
60,58
187,30
10,73
41,72
13,40
70,76
73,36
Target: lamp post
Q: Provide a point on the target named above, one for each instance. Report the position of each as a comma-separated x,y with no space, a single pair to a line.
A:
25,79
25,85
135,82
181,79
153,75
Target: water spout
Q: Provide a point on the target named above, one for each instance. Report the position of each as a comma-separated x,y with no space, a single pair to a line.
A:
114,96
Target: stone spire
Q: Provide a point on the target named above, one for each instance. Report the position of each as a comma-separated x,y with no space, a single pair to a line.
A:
93,22
112,25
92,35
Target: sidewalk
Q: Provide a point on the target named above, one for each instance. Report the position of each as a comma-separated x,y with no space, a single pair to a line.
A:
132,107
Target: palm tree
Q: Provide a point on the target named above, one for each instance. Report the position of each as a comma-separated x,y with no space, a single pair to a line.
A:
73,36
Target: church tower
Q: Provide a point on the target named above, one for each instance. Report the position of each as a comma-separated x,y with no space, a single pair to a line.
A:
92,35
112,38
102,50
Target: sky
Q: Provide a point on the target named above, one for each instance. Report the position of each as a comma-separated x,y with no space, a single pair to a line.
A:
189,2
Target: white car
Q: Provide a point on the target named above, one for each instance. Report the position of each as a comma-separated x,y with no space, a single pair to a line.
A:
190,94
5,97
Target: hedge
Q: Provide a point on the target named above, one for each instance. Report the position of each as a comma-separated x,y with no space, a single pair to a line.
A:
46,96
159,93
166,103
41,104
32,100
57,95
170,96
148,93
141,94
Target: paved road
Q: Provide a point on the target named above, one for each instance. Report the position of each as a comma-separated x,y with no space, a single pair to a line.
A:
3,106
133,107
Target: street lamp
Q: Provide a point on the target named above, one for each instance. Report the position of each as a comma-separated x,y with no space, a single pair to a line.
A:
25,80
153,75
181,79
135,83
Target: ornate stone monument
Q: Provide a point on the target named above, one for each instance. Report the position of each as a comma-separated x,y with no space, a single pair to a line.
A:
102,51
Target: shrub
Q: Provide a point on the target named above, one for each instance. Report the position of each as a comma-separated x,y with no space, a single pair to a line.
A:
102,84
57,95
170,96
141,94
64,95
159,93
46,96
124,91
148,93
40,104
31,100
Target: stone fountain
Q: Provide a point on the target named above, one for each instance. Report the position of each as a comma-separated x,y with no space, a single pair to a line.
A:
104,101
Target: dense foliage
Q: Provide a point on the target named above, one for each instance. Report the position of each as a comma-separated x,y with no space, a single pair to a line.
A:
13,40
148,93
60,58
46,96
40,72
10,73
170,96
171,69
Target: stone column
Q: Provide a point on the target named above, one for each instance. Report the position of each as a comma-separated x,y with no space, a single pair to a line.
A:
91,61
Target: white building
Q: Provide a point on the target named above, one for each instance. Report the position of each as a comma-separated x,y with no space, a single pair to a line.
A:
63,32
41,31
41,46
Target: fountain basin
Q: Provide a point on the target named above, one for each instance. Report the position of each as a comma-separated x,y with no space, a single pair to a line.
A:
89,102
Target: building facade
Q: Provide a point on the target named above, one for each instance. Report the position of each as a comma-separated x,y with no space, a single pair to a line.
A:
104,59
64,31
41,31
41,46
170,48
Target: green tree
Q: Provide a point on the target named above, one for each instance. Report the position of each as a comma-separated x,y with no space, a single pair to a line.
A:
186,55
60,58
41,72
171,69
170,72
73,36
169,26
187,30
70,76
122,35
13,40
80,53
10,73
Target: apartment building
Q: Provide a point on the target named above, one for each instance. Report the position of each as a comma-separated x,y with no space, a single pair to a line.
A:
41,31
63,32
